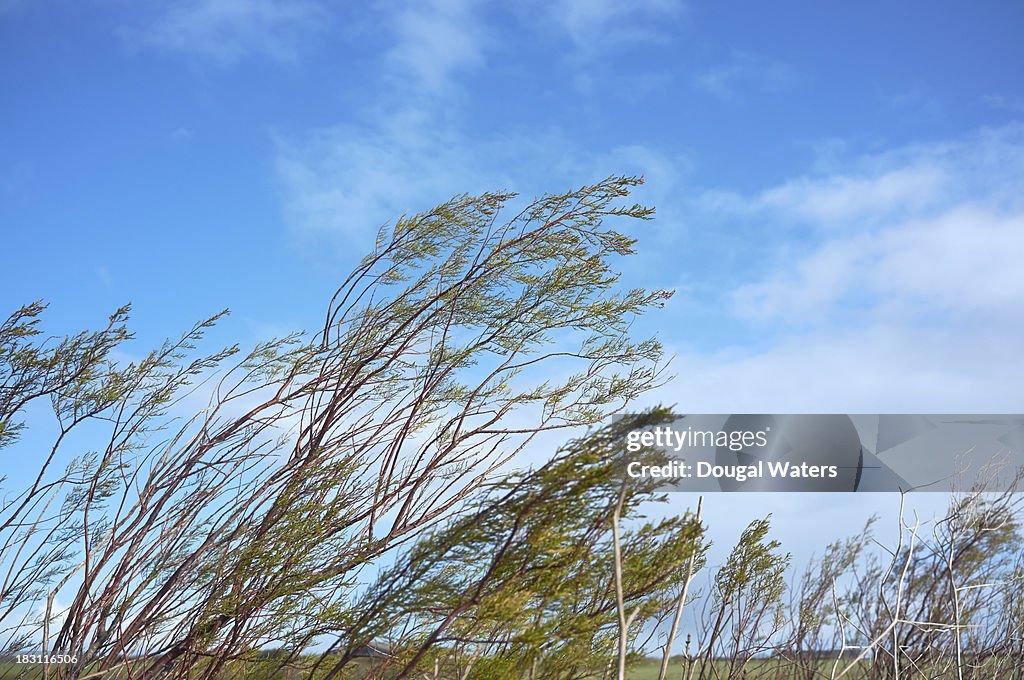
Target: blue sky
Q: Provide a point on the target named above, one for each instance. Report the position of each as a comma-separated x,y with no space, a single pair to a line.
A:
840,186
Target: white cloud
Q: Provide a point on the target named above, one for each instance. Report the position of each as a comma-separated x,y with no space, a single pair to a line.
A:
228,31
598,25
743,72
904,296
1002,102
873,190
968,258
104,276
933,228
342,182
435,40
863,368
963,261
346,181
843,197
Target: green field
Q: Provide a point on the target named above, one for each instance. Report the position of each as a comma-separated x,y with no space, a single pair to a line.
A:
766,669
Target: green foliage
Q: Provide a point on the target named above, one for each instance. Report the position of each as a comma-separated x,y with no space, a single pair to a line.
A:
744,611
523,577
754,568
197,532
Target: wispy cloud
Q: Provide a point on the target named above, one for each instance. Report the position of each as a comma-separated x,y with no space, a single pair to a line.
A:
229,31
917,101
341,182
595,26
964,261
1002,102
878,189
345,181
878,368
104,276
942,230
414,149
436,40
905,296
742,73
837,198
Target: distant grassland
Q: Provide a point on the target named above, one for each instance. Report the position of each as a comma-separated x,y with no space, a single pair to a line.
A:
757,669
775,669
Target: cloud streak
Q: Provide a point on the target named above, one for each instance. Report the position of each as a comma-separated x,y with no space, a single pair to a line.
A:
744,72
342,182
594,26
229,31
435,41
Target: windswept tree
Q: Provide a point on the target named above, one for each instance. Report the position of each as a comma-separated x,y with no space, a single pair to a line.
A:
743,614
175,541
522,583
